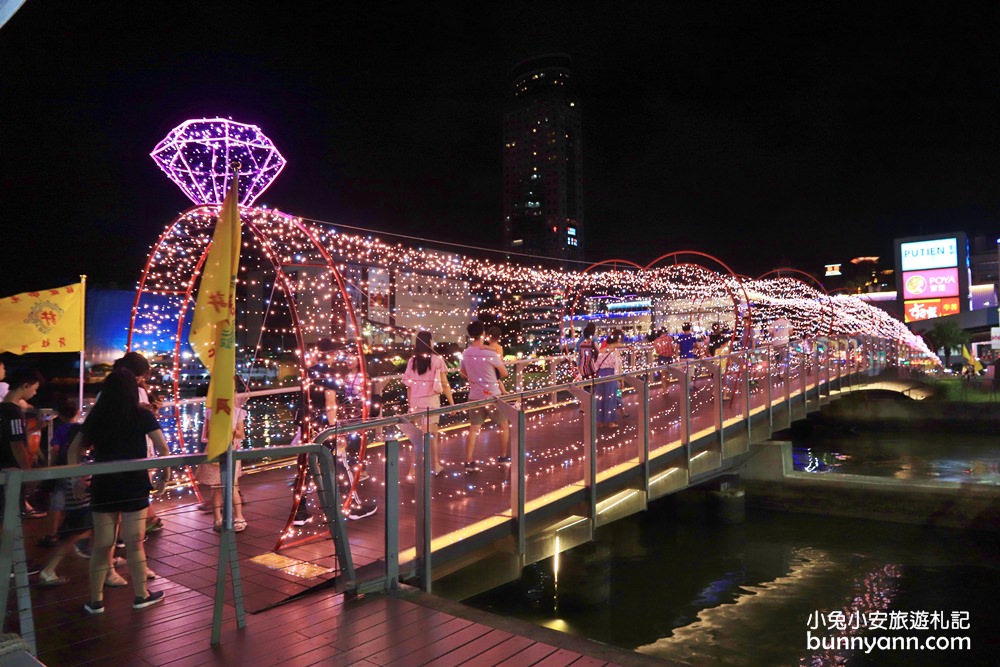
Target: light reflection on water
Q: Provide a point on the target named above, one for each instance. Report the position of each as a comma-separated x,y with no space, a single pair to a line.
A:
921,456
692,593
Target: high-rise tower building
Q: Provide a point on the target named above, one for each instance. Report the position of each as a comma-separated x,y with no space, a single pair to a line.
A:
543,161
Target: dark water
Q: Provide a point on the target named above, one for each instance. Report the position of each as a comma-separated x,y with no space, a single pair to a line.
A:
677,586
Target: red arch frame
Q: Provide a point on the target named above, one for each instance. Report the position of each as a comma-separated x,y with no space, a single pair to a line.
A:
266,246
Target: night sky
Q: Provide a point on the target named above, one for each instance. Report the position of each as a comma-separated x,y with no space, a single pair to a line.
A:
766,134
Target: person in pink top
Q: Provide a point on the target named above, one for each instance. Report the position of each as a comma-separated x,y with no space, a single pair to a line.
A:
426,378
484,369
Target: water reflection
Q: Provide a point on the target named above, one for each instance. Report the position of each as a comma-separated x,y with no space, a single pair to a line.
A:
696,594
920,456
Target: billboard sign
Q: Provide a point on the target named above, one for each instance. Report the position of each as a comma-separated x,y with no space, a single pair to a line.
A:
379,290
930,283
934,254
928,309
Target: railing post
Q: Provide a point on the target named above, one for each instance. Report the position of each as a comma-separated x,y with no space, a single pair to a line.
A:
770,387
553,368
745,377
421,441
805,381
329,497
515,415
424,536
788,381
519,500
12,556
590,462
228,555
392,514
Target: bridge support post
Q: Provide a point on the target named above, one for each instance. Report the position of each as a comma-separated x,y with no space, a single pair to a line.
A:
392,511
515,416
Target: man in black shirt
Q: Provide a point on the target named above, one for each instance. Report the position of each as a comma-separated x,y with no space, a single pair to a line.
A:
13,427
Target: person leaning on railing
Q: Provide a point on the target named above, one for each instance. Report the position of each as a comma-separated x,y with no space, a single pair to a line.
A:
115,430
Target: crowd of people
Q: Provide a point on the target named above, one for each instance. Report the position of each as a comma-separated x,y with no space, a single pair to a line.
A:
106,510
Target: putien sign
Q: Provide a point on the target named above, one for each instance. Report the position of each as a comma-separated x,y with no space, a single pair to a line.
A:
935,254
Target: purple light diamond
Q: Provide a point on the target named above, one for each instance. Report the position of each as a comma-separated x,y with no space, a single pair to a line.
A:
197,155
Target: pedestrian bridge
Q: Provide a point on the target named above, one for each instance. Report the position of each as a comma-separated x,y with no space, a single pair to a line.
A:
461,533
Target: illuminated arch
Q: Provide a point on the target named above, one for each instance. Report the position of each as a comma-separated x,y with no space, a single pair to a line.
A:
164,300
797,275
569,308
742,324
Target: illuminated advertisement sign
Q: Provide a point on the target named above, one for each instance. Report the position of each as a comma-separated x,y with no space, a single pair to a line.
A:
936,254
630,305
930,283
928,309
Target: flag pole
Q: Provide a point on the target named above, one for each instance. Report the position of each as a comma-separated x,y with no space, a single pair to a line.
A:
83,334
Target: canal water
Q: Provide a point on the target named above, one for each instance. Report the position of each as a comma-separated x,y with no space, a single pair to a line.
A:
674,584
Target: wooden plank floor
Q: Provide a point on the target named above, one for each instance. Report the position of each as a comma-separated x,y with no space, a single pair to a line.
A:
320,627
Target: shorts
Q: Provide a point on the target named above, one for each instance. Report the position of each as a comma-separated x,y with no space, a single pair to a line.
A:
57,501
478,415
209,474
76,521
663,361
422,403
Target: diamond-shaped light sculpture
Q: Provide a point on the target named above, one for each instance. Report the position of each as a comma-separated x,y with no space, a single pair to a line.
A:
198,156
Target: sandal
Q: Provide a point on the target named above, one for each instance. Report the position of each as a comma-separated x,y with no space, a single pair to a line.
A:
45,579
115,580
217,526
239,525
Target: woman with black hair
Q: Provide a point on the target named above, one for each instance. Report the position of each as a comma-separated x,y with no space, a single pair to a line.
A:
116,430
426,378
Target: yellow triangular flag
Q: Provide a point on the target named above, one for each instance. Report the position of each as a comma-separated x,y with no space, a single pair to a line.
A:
213,326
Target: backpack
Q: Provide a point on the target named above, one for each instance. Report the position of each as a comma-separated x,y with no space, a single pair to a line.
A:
588,364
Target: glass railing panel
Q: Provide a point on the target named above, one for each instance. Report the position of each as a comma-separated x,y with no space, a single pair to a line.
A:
733,398
704,395
554,445
665,413
618,442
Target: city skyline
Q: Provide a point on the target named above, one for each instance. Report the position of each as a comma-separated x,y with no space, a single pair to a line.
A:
786,136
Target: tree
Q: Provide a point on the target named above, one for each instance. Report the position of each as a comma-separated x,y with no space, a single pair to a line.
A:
946,334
